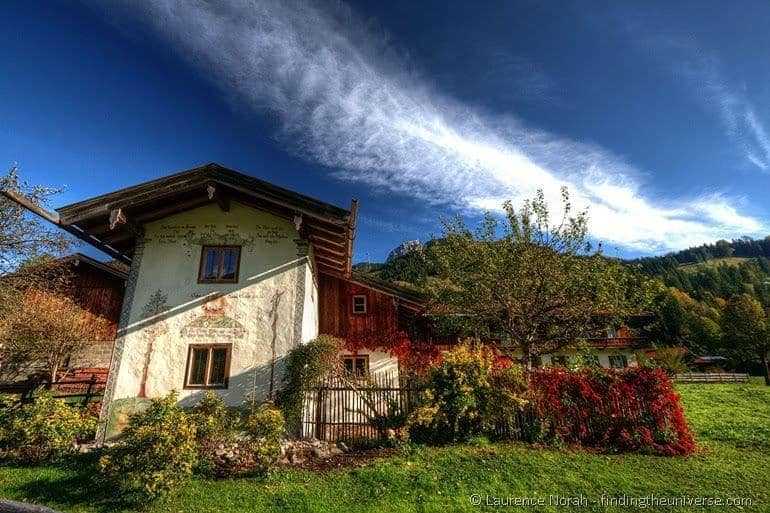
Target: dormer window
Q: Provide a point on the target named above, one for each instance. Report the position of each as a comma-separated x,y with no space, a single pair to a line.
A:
359,304
219,264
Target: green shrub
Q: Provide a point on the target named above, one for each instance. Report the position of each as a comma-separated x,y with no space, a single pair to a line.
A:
45,430
305,364
467,395
214,426
671,360
266,428
156,454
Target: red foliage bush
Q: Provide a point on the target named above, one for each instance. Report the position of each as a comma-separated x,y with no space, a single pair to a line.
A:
632,409
412,356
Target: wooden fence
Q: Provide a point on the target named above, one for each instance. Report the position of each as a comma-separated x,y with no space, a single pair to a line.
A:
716,377
349,408
80,391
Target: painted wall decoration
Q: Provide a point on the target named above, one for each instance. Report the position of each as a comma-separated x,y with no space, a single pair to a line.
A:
154,310
213,325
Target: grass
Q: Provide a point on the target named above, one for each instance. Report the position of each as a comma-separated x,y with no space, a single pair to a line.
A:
731,423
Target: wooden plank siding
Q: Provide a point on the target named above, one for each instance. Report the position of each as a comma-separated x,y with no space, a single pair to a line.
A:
336,315
100,294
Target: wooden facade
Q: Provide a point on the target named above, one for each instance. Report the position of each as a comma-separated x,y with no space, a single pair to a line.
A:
336,315
389,308
98,289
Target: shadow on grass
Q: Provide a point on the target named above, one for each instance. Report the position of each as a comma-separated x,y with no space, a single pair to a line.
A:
81,485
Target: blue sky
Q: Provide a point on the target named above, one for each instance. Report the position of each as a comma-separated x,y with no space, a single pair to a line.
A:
656,116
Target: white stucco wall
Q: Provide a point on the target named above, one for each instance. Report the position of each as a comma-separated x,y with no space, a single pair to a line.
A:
311,307
382,365
271,274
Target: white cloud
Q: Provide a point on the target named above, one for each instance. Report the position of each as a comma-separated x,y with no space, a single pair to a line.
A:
344,99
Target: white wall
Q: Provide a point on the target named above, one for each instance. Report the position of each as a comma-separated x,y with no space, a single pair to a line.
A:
270,268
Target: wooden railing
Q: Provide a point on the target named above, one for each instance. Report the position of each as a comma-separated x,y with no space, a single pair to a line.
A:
86,390
707,377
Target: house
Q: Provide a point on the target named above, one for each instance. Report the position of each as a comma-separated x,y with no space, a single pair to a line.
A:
612,348
98,288
228,274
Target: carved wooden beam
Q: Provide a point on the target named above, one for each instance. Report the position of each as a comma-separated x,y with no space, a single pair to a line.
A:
336,250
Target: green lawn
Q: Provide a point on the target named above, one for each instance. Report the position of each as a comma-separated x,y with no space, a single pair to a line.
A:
731,422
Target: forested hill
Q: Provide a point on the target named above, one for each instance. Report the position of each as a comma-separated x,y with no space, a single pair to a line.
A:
704,272
715,270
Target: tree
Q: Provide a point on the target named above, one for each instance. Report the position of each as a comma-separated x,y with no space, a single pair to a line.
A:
535,285
22,235
45,327
745,329
668,324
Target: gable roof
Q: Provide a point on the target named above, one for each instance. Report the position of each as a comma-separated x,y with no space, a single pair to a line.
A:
78,259
112,222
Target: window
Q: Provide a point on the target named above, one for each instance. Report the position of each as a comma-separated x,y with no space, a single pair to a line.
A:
618,361
591,360
359,304
559,361
357,366
208,366
219,264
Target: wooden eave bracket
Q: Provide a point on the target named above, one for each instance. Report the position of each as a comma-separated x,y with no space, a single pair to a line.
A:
118,217
216,194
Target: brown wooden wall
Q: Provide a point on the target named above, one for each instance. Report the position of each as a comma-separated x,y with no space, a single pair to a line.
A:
336,315
100,293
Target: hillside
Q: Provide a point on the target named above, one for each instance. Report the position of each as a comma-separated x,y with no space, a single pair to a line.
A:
703,272
716,262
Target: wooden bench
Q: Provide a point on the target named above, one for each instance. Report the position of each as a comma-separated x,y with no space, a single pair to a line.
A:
715,377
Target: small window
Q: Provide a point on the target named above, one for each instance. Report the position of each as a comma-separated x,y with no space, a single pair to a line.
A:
357,366
219,264
559,361
359,304
591,360
208,366
618,361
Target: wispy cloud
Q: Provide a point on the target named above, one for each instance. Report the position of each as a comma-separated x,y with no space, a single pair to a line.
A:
344,99
702,73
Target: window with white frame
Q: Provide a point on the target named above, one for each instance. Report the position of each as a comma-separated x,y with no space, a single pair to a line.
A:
359,304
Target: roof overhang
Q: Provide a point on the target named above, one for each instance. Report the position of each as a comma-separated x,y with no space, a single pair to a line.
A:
113,222
407,298
78,259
